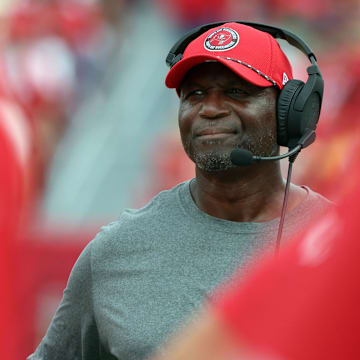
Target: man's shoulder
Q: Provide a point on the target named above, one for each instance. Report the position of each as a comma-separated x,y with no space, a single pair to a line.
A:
309,209
317,199
134,224
165,202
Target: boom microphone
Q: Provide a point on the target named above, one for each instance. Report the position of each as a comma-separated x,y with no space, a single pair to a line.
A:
242,157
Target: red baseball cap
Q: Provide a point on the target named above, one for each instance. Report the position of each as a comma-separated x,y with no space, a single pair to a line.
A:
252,54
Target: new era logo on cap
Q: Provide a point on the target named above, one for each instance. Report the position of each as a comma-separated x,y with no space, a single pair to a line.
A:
285,79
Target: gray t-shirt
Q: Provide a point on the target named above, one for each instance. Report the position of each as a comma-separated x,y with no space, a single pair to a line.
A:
144,274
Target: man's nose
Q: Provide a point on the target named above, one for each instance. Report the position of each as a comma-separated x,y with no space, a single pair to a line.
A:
213,107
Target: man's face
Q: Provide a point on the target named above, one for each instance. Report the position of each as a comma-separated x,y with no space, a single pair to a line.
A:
220,111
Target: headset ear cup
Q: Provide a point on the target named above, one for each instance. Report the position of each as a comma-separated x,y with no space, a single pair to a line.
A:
286,98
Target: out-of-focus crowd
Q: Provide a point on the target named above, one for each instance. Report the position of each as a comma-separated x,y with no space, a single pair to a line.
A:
82,94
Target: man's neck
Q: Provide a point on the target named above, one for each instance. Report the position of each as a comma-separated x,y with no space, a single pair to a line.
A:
244,194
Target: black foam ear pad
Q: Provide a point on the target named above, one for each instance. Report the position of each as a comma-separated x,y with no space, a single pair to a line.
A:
286,99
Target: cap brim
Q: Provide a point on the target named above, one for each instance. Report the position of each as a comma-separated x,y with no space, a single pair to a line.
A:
179,70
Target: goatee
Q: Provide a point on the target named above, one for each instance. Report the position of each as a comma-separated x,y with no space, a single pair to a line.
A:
213,161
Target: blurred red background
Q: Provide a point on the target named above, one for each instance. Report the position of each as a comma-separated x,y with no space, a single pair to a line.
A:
60,59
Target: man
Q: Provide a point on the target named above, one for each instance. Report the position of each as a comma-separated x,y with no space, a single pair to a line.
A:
142,275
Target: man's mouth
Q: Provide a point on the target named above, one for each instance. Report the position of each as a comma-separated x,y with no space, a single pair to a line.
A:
214,133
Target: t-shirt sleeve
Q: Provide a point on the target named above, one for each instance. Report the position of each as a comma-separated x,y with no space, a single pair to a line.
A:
73,333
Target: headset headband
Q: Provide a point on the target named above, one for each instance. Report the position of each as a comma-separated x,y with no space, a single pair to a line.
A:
178,49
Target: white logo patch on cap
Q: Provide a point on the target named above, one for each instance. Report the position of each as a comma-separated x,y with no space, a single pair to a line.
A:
221,40
285,79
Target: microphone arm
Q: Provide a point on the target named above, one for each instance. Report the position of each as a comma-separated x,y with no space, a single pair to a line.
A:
295,150
242,157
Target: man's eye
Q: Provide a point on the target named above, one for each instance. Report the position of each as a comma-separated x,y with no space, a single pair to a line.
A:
237,91
194,93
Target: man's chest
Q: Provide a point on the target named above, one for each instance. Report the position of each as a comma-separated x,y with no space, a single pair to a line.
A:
138,306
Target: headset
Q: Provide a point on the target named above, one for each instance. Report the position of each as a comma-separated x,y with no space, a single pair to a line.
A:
299,103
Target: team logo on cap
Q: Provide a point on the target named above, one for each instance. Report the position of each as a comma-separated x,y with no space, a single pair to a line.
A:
221,40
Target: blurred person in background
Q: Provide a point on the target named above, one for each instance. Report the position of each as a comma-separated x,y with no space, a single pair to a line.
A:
14,154
144,273
302,304
52,54
51,60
